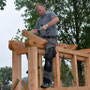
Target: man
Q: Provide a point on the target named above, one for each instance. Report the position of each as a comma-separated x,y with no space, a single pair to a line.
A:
46,25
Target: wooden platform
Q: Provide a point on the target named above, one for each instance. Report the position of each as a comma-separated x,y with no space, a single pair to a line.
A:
65,88
35,49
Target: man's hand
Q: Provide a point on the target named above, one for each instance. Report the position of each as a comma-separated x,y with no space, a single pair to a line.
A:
44,27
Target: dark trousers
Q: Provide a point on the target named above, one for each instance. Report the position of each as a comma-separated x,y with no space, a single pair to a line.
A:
50,53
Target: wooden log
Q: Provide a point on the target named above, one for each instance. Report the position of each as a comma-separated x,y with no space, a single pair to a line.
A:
32,68
85,50
22,51
41,51
72,52
40,70
34,39
25,86
66,88
16,69
87,71
15,84
72,47
75,71
28,43
56,64
66,56
15,45
80,58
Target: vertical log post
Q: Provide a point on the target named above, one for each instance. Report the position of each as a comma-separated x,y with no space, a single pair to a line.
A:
32,68
87,71
74,71
40,70
16,69
56,64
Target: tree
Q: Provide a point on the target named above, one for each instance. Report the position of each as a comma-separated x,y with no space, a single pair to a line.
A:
74,26
2,4
5,75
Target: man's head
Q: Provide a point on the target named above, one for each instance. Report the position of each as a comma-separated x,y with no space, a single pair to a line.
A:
40,9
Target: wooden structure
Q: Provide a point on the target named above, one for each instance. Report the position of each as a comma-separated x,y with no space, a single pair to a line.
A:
35,49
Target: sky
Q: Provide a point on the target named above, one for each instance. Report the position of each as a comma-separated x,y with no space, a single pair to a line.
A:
10,21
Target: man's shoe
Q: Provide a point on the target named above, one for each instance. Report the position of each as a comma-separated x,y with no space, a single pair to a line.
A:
44,85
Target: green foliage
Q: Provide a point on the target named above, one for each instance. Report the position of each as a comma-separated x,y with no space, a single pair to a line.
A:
2,4
74,15
18,36
74,18
66,74
5,75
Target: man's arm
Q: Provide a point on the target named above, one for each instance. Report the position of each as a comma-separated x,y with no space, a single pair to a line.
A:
55,20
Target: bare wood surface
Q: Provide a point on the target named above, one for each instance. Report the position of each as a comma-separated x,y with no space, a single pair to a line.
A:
15,84
72,52
80,58
25,86
87,71
66,56
13,45
66,88
22,51
40,70
56,64
41,51
32,68
34,39
75,71
72,47
16,69
28,43
85,50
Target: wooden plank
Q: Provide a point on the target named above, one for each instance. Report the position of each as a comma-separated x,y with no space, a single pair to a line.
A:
28,43
75,81
22,89
33,38
22,51
32,68
32,43
87,71
66,56
16,45
41,51
72,47
72,52
16,69
40,70
15,84
56,64
85,50
25,86
66,88
80,58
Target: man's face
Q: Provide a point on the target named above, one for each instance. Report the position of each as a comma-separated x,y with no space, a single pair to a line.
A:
40,10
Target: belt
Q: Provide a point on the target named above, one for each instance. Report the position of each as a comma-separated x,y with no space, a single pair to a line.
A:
49,36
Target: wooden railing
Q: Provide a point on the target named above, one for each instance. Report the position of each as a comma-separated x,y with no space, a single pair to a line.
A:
34,47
